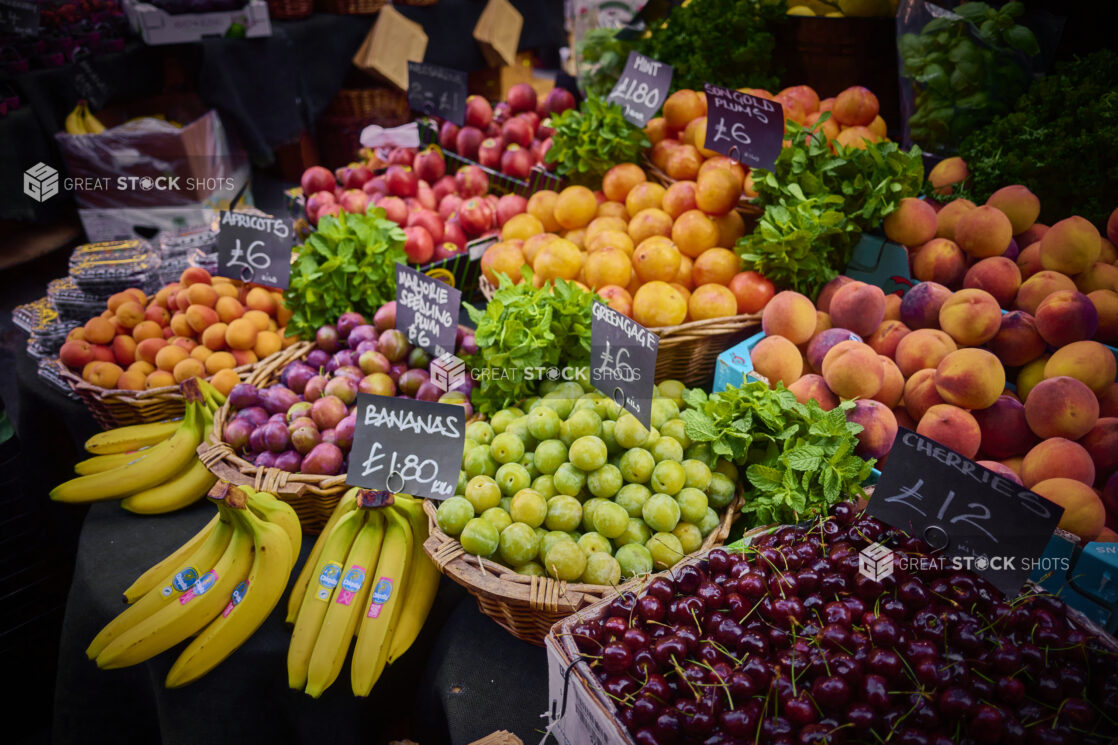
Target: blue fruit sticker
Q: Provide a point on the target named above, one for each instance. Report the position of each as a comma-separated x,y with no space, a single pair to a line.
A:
328,580
235,598
351,584
205,583
184,579
381,593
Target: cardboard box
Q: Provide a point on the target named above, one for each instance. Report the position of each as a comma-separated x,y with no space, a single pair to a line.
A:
157,26
498,32
391,43
576,716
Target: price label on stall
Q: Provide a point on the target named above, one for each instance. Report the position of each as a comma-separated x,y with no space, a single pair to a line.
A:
746,128
427,310
89,85
407,445
437,91
973,518
623,360
19,17
254,248
642,88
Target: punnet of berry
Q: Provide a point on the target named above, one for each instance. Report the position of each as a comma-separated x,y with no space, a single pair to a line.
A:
786,642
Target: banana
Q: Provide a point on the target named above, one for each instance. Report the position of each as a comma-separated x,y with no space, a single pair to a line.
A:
183,490
178,577
423,581
132,437
332,547
346,504
93,125
189,614
152,577
274,510
248,607
102,463
346,606
164,461
75,124
382,611
214,398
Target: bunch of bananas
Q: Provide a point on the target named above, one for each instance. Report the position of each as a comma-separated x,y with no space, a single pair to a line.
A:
81,121
218,587
367,576
151,468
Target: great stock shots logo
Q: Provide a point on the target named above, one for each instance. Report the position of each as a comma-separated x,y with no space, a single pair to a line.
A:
40,182
875,562
447,371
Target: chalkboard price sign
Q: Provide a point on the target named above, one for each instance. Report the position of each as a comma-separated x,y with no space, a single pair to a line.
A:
20,17
981,521
254,248
642,88
623,360
746,128
427,310
406,445
437,91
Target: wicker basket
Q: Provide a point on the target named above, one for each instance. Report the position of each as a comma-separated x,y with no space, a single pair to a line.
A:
113,408
527,607
290,10
379,103
351,7
312,496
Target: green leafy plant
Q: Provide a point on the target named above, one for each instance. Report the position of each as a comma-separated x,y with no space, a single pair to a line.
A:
525,328
798,459
593,138
602,57
1061,142
348,263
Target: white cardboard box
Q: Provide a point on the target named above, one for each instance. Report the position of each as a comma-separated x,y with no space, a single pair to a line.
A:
579,719
159,27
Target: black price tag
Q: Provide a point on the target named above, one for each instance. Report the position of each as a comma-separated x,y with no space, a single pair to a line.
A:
89,85
981,522
437,91
427,310
406,445
642,88
746,128
623,360
255,248
21,17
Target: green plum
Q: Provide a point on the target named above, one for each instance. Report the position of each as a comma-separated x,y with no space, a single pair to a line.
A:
528,506
692,504
545,486
506,448
667,448
634,560
666,550
698,474
661,513
689,535
721,491
504,418
565,561
610,519
677,430
601,569
518,544
569,480
668,477
498,517
479,462
543,423
591,542
605,481
637,465
564,513
480,432
479,537
453,514
549,455
710,521
483,493
588,453
663,411
629,432
580,424
632,497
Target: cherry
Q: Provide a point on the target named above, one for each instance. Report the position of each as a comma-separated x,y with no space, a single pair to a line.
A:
885,662
875,691
729,633
894,608
700,723
620,686
759,671
635,638
784,585
737,606
651,608
752,586
846,667
711,594
955,702
799,710
987,724
647,736
622,605
587,636
644,664
661,588
657,688
915,649
775,727
669,649
833,585
830,692
837,613
912,593
645,709
884,631
753,643
855,606
834,636
667,726
844,513
688,579
912,737
862,716
718,561
738,723
1010,690
689,636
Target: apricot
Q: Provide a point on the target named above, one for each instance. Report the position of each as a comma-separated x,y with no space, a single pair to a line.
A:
892,383
105,374
179,326
717,191
971,317
1029,375
159,379
683,163
656,258
219,361
857,138
129,314
601,225
147,349
244,357
147,330
912,223
1039,286
1101,443
939,260
169,356
920,306
1108,253
970,378
953,427
983,232
778,360
996,275
229,309
694,232
131,380
267,344
156,314
619,180
200,317
504,258
201,353
946,174
1098,276
948,217
1017,342
923,349
1067,316
879,428
1001,469
195,275
522,227
541,205
99,331
681,107
859,307
887,336
650,222
1089,362
856,106
645,195
117,299
1005,431
1061,407
188,368
202,294
821,343
260,299
1084,514
124,350
226,289
852,370
1106,305
712,301
1020,205
791,315
658,304
241,334
224,380
812,387
1070,246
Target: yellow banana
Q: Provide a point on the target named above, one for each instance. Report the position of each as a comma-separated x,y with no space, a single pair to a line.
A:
153,577
274,510
179,577
183,490
380,614
423,581
93,125
164,461
133,437
187,615
347,504
333,547
102,463
247,608
75,124
346,607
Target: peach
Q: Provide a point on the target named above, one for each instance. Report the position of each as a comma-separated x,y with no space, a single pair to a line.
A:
822,323
853,370
823,302
778,360
124,350
1066,316
888,335
947,173
693,232
1039,286
970,378
201,317
822,342
912,223
923,349
219,361
1029,375
1019,204
1089,362
1098,276
1061,407
791,315
1028,261
879,428
541,205
939,260
996,275
983,232
971,317
904,419
892,307
1101,443
948,217
649,222
1084,514
99,331
1017,342
892,383
1070,246
202,294
1108,253
1057,457
241,334
712,301
195,275
169,356
1108,401
1001,469
812,387
1032,235
643,196
1106,304
679,198
619,180
951,426
1005,431
920,306
859,307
